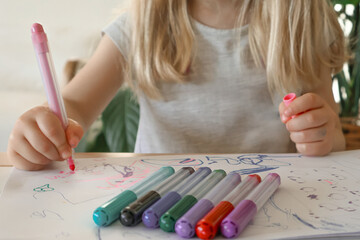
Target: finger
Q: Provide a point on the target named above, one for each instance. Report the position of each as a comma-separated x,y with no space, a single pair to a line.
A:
74,133
314,149
304,103
309,135
21,163
30,154
311,119
282,108
41,143
51,127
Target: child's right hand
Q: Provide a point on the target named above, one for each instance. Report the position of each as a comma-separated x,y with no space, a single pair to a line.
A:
38,138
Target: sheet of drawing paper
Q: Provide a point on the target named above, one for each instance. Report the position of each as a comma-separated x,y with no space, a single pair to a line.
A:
318,196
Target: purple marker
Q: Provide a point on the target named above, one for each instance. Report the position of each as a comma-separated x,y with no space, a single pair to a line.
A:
152,215
185,226
245,211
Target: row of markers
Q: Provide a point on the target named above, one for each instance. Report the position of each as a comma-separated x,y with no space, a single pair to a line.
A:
190,202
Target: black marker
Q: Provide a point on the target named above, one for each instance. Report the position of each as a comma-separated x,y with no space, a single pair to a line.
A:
132,214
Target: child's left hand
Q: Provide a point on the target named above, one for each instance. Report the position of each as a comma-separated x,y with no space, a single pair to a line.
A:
314,125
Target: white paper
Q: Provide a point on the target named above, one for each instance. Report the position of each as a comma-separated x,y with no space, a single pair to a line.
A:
318,196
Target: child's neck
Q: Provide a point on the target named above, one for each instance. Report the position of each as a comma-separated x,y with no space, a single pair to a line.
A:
221,14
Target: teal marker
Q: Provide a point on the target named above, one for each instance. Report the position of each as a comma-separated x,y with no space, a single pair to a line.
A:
110,211
168,219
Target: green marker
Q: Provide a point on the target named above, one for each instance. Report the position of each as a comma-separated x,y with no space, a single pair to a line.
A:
110,211
168,219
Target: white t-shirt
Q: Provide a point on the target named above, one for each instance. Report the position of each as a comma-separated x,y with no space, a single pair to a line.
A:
225,106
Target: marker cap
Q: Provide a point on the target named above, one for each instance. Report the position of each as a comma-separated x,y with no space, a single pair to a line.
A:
168,220
108,213
207,227
185,226
288,98
39,38
238,219
152,215
131,215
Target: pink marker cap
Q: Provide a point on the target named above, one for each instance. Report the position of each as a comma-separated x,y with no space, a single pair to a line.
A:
39,38
289,98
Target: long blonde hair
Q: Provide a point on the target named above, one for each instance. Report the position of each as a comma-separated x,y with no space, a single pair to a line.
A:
290,39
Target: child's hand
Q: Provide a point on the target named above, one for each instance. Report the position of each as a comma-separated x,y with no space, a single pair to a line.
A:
38,138
313,127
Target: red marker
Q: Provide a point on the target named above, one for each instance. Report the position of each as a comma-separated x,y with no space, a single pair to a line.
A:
208,226
55,101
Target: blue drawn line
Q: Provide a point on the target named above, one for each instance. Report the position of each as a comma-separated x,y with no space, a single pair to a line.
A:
287,212
68,200
332,224
304,222
254,170
258,162
99,233
251,159
44,215
190,162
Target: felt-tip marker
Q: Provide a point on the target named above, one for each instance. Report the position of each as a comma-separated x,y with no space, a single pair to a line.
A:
131,215
110,211
47,70
208,226
151,216
238,219
185,226
168,219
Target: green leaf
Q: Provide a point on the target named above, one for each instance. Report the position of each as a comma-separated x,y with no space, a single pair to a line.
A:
343,2
120,122
98,145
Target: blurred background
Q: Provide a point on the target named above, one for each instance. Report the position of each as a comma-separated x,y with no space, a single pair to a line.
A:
73,29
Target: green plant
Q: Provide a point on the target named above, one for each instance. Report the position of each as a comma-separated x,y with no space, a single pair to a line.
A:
116,129
348,79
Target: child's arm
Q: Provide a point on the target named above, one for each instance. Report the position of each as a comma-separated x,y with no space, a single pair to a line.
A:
38,138
316,130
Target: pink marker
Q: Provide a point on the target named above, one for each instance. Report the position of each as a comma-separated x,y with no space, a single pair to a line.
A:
288,99
55,101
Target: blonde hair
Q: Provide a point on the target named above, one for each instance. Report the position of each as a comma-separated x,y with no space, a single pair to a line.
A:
291,39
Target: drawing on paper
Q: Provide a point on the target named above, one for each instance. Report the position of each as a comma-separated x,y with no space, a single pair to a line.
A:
309,196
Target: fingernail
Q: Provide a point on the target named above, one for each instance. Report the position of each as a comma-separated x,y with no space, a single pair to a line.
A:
66,154
74,142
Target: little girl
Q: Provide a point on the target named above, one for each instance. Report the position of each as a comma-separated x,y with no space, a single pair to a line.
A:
209,76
